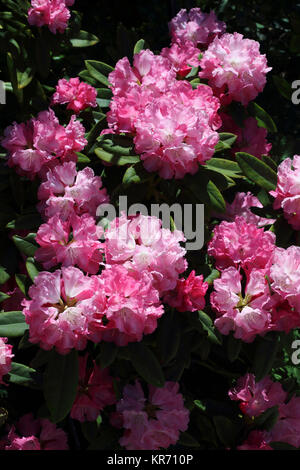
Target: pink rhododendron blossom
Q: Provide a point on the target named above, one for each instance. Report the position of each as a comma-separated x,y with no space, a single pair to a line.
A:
5,358
257,397
66,191
59,309
195,26
287,192
287,428
240,243
256,440
126,306
53,13
177,131
241,207
95,391
141,243
189,294
70,243
235,62
79,95
32,146
152,422
183,57
250,138
35,434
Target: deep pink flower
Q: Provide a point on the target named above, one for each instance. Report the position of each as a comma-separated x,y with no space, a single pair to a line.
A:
241,206
189,294
5,358
256,440
95,391
183,57
79,95
153,423
287,428
53,13
235,62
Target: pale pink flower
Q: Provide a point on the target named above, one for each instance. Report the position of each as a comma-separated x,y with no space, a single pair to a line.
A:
52,13
240,243
195,26
95,391
183,57
257,397
59,311
5,358
35,434
126,308
287,192
151,423
235,62
70,243
285,275
78,95
189,294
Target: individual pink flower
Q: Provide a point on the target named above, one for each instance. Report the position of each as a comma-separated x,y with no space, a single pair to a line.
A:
195,26
66,191
95,391
59,309
241,207
154,422
126,306
250,138
257,397
35,434
189,294
183,57
53,13
246,315
5,358
287,428
235,62
140,243
70,243
79,95
256,440
240,243
287,192
177,131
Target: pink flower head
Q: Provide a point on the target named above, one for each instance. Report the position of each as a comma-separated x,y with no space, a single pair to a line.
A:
5,358
246,315
95,391
130,309
183,57
59,311
79,95
66,191
151,423
287,192
256,440
142,244
70,243
257,397
53,13
177,131
241,207
240,243
250,138
189,294
35,434
235,63
195,26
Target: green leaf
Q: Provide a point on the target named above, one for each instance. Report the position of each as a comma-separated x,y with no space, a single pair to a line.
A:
4,296
168,338
225,167
187,440
227,431
26,245
207,325
99,71
4,276
60,384
257,171
107,355
199,404
139,46
115,159
215,274
22,282
146,364
12,324
216,198
21,375
267,419
283,86
84,39
265,355
82,158
233,348
270,162
226,141
262,117
32,268
135,174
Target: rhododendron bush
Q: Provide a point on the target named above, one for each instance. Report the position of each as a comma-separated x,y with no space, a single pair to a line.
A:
117,332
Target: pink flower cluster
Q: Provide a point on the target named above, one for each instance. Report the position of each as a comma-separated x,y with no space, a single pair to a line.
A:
287,192
257,291
255,398
34,434
34,147
150,423
5,358
52,13
78,95
189,294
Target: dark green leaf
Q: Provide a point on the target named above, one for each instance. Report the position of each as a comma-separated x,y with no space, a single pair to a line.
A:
84,39
168,338
146,364
262,117
26,245
107,355
265,355
226,141
257,171
21,374
12,324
